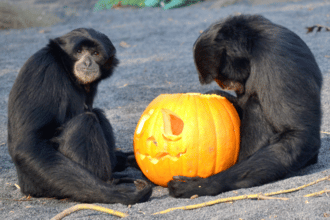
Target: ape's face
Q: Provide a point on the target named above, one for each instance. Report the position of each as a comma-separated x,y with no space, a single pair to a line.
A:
212,63
87,67
91,55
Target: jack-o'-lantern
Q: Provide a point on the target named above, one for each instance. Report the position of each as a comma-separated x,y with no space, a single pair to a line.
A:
188,135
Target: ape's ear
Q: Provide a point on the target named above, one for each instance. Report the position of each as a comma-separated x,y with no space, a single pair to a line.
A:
58,44
111,63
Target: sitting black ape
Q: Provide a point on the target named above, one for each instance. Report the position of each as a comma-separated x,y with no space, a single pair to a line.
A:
278,84
61,146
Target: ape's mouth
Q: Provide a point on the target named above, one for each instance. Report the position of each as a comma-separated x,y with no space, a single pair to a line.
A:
86,76
231,85
88,70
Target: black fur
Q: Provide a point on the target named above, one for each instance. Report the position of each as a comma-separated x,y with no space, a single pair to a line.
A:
61,146
278,85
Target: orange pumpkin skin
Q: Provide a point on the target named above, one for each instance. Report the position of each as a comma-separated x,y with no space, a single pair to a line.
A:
188,135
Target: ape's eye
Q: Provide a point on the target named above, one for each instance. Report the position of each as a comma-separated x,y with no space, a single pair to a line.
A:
78,50
96,53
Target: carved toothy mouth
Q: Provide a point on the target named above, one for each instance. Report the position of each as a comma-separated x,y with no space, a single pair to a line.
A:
160,156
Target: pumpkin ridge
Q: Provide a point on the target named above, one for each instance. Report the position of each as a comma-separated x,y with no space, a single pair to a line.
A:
219,111
180,100
172,107
235,130
226,129
216,135
197,126
179,104
152,127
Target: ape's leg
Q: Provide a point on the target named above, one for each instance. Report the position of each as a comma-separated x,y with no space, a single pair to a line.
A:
268,164
83,141
119,160
76,169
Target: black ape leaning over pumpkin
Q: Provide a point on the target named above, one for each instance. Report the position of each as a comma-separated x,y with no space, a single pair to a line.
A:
63,147
278,85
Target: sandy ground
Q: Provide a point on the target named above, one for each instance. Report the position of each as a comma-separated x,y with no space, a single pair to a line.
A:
159,60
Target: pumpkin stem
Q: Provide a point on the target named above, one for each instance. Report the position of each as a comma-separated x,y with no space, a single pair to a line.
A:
173,125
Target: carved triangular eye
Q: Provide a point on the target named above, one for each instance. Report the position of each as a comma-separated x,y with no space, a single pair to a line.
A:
143,120
173,125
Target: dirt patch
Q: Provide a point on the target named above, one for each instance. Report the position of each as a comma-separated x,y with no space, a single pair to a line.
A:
14,17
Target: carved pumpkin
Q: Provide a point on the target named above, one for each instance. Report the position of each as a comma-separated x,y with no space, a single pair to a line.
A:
187,135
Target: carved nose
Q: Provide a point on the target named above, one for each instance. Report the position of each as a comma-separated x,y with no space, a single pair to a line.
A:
88,62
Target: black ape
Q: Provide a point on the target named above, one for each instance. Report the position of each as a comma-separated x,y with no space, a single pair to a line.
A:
61,146
278,84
